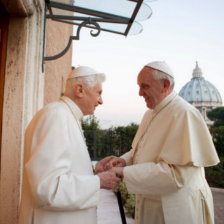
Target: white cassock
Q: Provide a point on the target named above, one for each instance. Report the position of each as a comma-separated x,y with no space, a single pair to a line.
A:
166,165
59,186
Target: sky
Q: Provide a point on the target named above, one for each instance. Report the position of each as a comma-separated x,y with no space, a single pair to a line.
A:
179,32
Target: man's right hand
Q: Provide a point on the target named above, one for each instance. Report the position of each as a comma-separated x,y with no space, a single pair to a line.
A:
108,163
101,165
109,180
115,162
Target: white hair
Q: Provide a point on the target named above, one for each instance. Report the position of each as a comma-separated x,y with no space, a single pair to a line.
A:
158,75
89,81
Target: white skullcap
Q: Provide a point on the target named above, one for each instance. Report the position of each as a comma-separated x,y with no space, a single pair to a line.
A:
161,66
82,71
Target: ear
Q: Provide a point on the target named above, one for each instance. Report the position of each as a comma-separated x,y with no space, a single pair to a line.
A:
79,90
166,84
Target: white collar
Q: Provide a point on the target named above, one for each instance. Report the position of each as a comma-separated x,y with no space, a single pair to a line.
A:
73,107
165,102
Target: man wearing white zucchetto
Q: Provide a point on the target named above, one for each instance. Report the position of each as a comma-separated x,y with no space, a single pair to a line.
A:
59,186
165,167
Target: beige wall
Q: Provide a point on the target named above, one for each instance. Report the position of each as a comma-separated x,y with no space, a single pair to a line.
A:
24,90
56,71
12,123
23,94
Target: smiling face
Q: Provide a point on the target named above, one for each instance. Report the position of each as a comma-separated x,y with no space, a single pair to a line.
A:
153,91
92,98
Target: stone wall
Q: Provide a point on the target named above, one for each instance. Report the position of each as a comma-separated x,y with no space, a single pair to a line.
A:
56,71
24,89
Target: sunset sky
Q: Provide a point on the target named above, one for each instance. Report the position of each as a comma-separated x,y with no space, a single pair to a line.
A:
179,32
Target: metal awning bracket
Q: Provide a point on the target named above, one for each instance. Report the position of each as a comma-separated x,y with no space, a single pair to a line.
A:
95,17
71,38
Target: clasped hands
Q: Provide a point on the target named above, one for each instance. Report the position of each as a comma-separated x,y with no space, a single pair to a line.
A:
110,171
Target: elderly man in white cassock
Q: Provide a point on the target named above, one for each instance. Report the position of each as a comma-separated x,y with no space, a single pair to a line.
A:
59,186
165,167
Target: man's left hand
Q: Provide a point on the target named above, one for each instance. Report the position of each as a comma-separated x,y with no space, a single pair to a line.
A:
119,171
101,166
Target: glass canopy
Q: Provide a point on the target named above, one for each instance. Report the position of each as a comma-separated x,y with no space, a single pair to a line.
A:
116,16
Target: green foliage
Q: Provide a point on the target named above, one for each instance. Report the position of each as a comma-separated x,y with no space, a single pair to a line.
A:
128,200
122,138
217,115
215,174
218,139
90,123
114,141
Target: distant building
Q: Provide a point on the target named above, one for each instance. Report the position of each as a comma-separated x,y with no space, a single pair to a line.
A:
201,93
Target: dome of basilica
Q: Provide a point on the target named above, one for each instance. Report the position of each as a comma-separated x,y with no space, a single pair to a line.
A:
200,90
201,93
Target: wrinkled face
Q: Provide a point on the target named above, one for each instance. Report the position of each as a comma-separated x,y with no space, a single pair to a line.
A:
151,89
93,97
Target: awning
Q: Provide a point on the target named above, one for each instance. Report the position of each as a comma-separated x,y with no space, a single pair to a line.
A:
116,16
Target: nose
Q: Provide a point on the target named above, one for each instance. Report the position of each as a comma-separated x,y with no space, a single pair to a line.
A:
140,92
100,100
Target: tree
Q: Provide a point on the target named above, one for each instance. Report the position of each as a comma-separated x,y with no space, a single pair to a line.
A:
217,115
123,137
90,123
218,139
217,129
215,174
91,128
113,141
